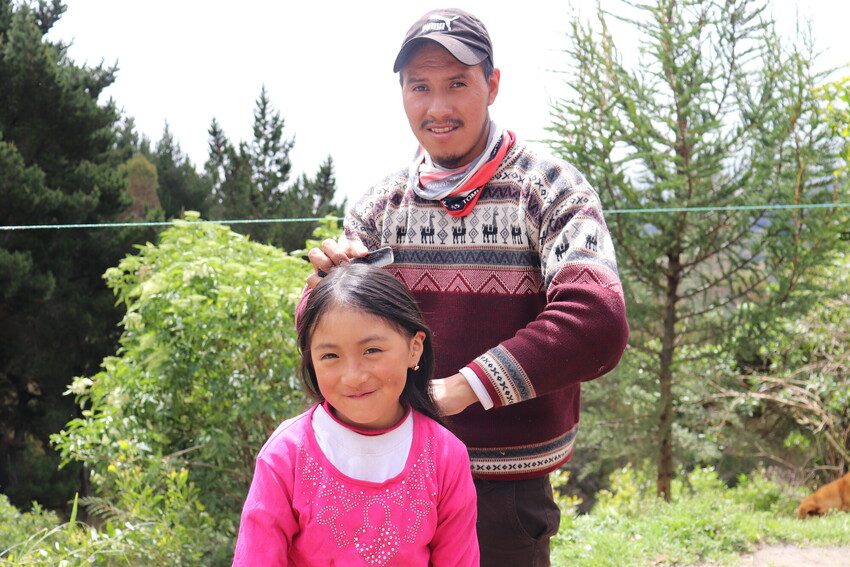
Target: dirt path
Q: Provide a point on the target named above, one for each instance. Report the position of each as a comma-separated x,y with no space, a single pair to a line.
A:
790,556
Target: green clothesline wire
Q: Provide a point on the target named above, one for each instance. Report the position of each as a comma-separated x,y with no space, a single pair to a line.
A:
319,219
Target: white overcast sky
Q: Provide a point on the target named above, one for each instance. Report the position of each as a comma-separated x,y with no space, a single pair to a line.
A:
327,67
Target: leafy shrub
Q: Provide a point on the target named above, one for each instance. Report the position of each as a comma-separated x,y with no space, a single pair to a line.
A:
205,371
167,526
706,522
629,491
763,494
16,527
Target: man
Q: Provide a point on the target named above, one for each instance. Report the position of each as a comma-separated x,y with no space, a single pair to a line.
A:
508,254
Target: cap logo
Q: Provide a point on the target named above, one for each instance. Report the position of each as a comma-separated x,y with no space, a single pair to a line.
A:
444,24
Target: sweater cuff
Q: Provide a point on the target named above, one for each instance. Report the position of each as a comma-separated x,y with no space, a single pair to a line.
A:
477,387
503,376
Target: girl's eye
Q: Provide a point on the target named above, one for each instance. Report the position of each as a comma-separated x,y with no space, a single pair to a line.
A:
372,350
328,356
458,84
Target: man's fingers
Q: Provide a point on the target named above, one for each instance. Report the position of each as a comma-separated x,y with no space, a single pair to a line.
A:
353,248
319,259
313,280
335,251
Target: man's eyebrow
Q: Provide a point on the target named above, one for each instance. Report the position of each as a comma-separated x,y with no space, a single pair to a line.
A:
413,79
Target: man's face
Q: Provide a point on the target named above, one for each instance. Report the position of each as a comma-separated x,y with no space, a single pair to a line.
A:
446,104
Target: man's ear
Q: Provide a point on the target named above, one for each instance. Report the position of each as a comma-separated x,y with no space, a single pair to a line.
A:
493,85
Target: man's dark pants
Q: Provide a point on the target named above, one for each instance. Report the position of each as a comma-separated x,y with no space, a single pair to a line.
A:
516,519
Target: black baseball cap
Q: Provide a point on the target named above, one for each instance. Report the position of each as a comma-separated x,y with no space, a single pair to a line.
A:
461,33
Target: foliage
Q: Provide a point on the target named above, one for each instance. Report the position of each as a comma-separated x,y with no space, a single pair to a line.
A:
142,185
716,113
60,153
619,410
156,521
181,188
806,380
204,373
308,198
250,180
17,527
837,115
707,521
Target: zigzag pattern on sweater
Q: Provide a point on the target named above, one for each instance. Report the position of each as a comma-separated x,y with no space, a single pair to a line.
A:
473,280
489,257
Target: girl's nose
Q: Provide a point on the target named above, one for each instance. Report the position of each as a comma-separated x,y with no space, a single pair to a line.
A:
354,375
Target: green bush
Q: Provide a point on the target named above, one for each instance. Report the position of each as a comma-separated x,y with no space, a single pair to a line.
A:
765,495
17,527
157,520
205,371
707,521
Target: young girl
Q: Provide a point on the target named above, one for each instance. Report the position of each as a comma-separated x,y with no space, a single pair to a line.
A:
366,476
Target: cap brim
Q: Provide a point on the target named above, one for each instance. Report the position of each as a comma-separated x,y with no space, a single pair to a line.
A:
459,50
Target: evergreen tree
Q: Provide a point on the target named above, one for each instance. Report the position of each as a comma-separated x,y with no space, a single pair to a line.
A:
269,154
181,188
59,158
142,185
129,142
249,181
717,113
308,198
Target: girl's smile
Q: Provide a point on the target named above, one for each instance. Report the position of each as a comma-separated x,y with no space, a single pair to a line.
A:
361,364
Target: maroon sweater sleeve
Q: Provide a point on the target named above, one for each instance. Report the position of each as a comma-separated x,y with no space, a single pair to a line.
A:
582,331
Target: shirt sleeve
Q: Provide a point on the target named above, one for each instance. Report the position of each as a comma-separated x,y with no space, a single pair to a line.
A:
268,522
582,331
455,541
477,386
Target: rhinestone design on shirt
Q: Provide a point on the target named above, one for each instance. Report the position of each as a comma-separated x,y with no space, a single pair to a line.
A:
374,521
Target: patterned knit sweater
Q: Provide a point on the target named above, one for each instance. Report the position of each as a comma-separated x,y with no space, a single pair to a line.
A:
524,291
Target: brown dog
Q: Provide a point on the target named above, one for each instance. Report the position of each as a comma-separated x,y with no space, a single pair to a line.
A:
835,495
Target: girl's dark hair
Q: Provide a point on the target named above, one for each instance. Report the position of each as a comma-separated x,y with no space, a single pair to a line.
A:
374,291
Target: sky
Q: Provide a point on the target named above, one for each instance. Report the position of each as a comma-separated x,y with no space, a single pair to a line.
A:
327,68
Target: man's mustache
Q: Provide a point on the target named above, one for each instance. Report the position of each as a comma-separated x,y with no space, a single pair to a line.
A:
450,122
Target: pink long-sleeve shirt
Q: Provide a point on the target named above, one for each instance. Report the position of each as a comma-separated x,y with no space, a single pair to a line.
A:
301,510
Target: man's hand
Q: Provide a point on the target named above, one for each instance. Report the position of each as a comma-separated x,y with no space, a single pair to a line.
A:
333,253
452,395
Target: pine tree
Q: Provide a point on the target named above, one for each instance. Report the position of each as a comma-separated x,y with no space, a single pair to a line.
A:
181,188
249,181
717,113
308,198
142,186
269,154
59,159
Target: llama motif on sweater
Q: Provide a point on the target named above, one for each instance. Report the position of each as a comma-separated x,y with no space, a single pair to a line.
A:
524,292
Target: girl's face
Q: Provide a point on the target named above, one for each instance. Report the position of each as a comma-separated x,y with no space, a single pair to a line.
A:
361,363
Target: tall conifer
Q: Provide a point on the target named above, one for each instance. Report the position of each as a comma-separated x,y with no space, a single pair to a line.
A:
716,112
59,163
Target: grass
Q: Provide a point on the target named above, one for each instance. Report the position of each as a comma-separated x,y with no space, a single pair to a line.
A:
706,522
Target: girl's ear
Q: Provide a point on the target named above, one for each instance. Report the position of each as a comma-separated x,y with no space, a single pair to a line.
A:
417,345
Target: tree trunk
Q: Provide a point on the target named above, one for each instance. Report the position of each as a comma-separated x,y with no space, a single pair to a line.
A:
665,375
